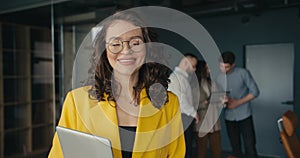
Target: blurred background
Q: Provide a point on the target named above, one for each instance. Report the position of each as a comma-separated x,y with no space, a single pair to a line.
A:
39,40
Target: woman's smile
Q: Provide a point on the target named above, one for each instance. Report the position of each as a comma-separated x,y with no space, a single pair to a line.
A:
126,61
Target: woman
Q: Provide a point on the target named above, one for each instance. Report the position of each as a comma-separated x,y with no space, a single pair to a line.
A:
126,98
208,129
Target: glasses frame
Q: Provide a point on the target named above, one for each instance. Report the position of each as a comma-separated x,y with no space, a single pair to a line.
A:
122,44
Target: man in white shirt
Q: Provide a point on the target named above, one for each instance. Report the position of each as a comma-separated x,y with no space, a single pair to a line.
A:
179,85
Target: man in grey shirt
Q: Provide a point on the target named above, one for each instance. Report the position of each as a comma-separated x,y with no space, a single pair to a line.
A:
238,114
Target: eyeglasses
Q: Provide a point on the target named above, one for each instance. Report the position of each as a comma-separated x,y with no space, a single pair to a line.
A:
115,46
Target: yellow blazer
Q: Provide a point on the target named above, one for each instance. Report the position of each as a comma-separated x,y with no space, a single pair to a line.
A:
159,132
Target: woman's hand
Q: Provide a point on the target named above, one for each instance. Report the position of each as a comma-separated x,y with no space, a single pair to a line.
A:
224,101
197,119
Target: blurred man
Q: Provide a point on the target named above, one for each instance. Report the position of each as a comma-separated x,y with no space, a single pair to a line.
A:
238,114
180,86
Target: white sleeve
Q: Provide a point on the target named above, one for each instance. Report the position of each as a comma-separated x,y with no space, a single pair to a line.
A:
182,89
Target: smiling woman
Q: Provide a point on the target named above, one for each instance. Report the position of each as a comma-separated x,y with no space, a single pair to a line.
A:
125,52
125,98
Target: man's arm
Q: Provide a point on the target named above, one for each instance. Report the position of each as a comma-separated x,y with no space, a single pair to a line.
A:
183,91
253,91
233,103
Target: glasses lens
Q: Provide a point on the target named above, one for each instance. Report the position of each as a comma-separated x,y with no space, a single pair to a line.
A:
115,46
136,44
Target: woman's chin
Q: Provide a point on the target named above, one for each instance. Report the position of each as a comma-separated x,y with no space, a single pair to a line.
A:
125,71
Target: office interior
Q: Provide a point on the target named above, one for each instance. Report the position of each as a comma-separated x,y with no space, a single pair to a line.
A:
39,40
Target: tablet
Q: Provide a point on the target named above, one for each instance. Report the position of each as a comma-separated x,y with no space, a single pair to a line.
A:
76,144
216,97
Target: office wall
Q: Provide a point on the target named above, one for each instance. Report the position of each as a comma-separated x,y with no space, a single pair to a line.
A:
233,32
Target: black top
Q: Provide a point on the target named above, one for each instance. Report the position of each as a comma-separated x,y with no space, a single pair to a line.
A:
127,137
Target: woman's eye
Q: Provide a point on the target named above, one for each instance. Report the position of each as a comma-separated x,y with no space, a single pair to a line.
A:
115,44
136,43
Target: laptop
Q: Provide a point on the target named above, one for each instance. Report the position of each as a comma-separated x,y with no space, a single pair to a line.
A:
76,144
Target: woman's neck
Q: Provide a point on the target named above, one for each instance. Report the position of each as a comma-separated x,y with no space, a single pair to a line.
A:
127,82
127,108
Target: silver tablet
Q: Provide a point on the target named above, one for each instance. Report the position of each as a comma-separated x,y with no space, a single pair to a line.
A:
76,144
216,97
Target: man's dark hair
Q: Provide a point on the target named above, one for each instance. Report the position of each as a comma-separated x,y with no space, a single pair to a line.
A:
190,55
227,57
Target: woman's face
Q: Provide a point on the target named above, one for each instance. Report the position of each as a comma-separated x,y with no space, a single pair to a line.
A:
125,47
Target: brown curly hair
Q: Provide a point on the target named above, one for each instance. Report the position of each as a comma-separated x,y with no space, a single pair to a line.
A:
101,73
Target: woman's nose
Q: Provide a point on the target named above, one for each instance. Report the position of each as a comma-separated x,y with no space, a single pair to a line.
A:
126,48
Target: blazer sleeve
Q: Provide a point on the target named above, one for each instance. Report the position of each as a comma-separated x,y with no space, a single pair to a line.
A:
177,147
68,119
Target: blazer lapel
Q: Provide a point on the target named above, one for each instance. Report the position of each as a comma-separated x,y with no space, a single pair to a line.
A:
105,123
101,119
148,123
